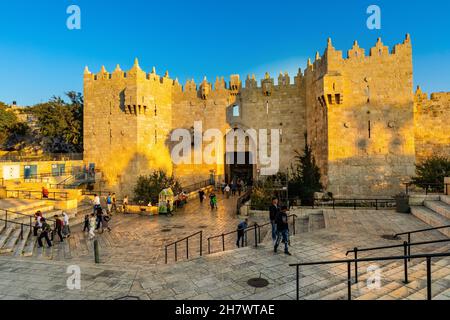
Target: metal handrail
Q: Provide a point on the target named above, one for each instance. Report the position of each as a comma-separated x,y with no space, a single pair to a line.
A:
349,262
19,223
420,230
30,192
187,245
23,215
427,186
256,227
354,203
406,250
196,186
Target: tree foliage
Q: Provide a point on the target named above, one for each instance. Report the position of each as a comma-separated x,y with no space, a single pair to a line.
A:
306,176
148,187
432,171
61,123
12,131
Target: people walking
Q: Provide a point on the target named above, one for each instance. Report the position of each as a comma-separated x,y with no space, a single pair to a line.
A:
97,203
273,212
125,204
66,230
213,200
105,222
92,226
46,230
227,190
114,203
282,230
239,187
99,218
109,203
59,224
233,189
169,208
86,223
201,195
242,226
38,223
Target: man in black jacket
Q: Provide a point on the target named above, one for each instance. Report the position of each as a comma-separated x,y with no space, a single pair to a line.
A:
282,230
273,212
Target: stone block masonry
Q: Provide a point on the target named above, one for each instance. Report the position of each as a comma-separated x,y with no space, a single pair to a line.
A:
366,126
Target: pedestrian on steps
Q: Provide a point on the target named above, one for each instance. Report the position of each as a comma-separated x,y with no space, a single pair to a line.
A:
46,230
66,230
58,228
92,226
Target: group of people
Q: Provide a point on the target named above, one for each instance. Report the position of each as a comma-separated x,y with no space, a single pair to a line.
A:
99,218
212,198
279,224
232,189
43,230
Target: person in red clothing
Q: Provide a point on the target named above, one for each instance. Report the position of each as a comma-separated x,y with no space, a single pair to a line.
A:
44,193
59,224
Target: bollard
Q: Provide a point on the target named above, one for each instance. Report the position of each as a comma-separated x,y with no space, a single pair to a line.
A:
96,252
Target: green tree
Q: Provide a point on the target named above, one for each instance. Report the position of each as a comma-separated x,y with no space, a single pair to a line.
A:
7,121
148,187
306,176
432,171
61,123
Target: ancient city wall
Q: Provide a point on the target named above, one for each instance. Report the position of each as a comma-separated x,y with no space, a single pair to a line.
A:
369,118
431,127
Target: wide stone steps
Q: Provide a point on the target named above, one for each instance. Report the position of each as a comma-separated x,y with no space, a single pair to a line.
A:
392,277
11,241
5,235
445,295
432,218
439,207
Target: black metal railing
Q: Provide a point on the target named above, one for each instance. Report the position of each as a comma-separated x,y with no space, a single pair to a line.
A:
409,233
30,194
198,185
22,226
428,258
14,216
406,251
375,204
175,244
255,228
429,188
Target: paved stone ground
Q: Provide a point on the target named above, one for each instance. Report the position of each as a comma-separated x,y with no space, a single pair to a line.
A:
142,239
218,276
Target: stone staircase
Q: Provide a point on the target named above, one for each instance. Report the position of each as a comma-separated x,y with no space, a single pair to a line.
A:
435,213
391,285
17,243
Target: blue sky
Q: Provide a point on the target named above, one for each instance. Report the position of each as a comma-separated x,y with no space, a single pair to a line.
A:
40,57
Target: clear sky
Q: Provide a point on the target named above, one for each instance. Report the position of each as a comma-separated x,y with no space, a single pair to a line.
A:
40,57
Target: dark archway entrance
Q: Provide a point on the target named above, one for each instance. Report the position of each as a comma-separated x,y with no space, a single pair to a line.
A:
240,168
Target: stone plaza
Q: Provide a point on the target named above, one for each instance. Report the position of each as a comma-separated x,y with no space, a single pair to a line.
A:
132,262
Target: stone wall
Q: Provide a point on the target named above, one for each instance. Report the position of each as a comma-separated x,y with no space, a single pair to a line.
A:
431,128
366,105
362,120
